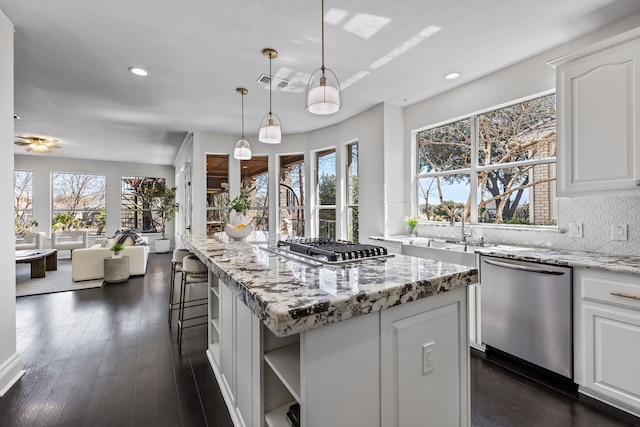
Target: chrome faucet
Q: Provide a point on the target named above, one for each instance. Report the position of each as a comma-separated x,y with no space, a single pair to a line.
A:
463,234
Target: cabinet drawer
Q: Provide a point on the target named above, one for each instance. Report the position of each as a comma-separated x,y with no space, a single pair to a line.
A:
614,288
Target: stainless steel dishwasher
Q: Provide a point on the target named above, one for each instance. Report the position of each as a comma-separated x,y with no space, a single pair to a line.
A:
527,312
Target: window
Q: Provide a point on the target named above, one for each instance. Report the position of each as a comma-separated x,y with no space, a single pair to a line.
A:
254,174
326,192
217,192
507,155
352,193
78,202
291,197
23,200
137,210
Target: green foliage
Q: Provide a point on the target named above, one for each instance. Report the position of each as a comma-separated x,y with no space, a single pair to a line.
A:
116,248
240,203
22,226
64,221
165,204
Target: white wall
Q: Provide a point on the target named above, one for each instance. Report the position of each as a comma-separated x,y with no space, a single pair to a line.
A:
42,167
10,364
369,129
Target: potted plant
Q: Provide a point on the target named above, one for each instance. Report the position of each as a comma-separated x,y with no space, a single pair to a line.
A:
117,248
167,208
237,208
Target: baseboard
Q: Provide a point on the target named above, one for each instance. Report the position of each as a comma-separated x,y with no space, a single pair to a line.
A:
10,372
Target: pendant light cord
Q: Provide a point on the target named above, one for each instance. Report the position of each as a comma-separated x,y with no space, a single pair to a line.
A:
242,108
270,80
322,20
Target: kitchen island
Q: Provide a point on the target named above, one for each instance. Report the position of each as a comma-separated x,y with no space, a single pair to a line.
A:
372,343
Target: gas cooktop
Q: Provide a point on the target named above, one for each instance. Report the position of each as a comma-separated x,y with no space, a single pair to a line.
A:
329,251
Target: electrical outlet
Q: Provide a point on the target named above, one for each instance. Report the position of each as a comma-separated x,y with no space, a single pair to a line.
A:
575,229
619,232
427,357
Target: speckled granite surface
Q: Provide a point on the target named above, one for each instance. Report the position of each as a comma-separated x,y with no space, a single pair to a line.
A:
291,297
616,263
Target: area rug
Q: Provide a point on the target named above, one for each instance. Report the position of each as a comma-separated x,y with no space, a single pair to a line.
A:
55,281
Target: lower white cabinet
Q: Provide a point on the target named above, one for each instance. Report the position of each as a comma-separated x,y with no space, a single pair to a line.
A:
403,366
607,337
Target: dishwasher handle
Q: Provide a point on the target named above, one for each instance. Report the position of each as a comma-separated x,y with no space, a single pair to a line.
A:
528,268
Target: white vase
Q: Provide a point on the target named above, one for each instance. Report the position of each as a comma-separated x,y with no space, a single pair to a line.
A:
163,246
237,218
117,255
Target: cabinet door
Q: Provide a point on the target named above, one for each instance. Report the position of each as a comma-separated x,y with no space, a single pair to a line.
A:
228,339
612,344
598,109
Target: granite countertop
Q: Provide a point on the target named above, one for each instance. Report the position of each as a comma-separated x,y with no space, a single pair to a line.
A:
291,297
614,263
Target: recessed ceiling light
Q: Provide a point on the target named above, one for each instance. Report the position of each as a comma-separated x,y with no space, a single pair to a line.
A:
139,71
452,76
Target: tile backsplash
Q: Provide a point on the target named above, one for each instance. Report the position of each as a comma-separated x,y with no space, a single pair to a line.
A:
596,214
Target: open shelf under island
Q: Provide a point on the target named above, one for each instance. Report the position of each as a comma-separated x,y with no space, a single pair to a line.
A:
372,343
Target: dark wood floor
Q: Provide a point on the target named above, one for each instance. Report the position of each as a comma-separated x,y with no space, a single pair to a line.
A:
106,357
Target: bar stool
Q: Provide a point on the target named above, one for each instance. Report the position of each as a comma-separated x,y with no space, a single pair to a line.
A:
176,267
193,271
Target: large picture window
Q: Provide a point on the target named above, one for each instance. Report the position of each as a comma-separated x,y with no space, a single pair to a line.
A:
137,211
254,175
78,202
507,155
326,192
23,200
291,196
217,192
352,193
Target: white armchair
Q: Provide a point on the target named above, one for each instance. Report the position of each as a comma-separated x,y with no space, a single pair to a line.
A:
30,241
69,240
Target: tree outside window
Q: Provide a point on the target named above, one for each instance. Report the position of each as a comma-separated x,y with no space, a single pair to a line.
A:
514,173
254,174
138,211
353,234
23,201
292,200
78,202
326,192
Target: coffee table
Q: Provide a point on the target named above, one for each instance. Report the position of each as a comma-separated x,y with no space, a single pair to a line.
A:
41,260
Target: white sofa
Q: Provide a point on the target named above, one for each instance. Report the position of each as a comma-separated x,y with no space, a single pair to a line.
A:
88,264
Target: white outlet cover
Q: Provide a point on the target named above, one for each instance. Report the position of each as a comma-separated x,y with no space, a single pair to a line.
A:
619,232
427,357
575,229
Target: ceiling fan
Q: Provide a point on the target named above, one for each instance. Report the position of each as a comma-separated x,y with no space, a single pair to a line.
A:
37,144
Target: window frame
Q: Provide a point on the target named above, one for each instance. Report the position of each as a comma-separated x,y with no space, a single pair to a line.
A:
475,168
139,211
23,217
299,208
318,206
97,211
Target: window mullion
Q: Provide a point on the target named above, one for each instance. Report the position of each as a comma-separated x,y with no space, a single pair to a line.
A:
473,174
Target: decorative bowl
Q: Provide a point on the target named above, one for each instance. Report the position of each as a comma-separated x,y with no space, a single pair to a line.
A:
238,232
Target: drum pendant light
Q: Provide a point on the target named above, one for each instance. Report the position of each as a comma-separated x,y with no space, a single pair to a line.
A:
323,90
270,130
243,146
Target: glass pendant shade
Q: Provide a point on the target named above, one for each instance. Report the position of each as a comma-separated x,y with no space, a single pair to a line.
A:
270,131
323,92
242,150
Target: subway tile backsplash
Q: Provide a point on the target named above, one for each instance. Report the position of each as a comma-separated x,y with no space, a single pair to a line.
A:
597,214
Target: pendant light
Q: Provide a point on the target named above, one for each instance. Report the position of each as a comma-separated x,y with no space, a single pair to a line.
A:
243,146
270,131
323,90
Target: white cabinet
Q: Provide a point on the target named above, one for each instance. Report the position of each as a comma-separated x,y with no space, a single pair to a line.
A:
607,337
598,108
369,370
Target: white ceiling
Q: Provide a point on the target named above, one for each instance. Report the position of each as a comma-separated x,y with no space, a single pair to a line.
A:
71,60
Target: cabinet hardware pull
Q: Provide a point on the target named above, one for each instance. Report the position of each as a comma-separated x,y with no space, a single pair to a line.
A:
620,294
526,268
638,183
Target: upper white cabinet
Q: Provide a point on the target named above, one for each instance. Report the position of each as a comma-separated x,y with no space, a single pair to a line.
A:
598,107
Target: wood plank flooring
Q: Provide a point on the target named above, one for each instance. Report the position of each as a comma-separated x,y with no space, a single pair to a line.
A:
106,357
